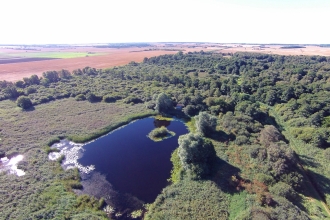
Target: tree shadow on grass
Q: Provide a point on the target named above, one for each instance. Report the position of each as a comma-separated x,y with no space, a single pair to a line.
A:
320,183
32,108
223,172
221,136
308,161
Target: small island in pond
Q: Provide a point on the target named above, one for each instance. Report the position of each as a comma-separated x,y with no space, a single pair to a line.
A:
159,134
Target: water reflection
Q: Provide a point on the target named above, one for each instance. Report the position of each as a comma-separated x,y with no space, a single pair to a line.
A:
160,123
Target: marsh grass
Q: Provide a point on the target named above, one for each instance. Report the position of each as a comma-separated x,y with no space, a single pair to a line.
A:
177,171
191,125
50,122
190,200
49,149
107,129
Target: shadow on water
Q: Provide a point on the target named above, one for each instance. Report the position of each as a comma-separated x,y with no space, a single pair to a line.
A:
130,168
97,185
160,123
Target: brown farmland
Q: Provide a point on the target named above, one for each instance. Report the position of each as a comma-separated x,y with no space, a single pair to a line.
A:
113,57
22,60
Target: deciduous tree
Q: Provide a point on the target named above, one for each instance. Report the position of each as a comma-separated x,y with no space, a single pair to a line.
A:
205,123
163,103
196,155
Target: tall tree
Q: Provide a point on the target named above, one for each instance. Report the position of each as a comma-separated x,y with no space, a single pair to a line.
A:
196,155
205,123
163,103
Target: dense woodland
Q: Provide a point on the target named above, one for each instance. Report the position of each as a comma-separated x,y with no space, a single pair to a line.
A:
259,141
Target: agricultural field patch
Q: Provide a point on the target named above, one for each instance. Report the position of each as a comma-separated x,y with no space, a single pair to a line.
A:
46,60
22,60
58,55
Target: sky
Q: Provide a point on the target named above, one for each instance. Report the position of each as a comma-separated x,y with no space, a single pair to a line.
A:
114,21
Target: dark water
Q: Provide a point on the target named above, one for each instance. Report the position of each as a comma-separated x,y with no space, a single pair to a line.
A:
132,162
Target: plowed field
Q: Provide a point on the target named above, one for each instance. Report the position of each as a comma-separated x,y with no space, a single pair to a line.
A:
113,57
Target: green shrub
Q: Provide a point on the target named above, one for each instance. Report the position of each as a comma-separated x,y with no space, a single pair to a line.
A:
91,97
53,140
284,190
159,132
266,179
61,159
108,99
205,123
80,97
30,90
293,179
132,99
49,150
241,140
326,154
190,110
24,102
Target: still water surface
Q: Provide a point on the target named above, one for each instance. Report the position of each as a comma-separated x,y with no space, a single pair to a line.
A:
132,162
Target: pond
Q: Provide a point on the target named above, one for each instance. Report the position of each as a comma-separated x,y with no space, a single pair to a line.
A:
130,161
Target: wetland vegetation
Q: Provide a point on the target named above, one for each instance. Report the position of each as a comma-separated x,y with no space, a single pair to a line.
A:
258,146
